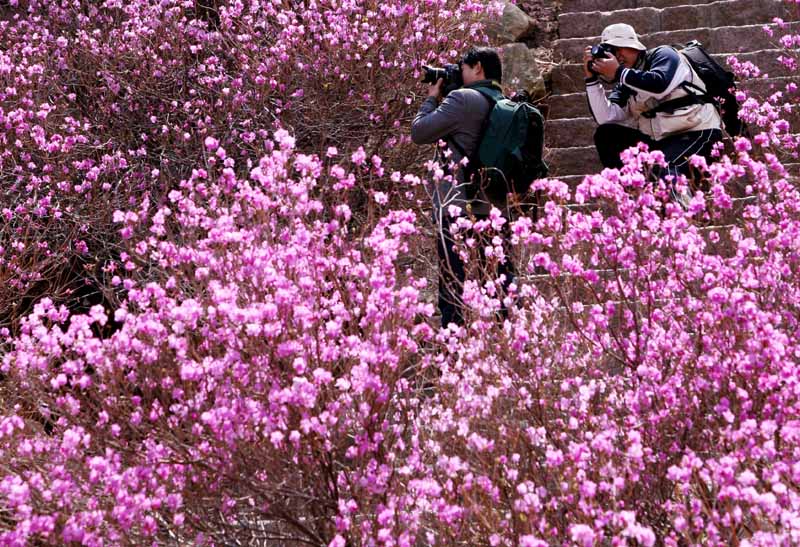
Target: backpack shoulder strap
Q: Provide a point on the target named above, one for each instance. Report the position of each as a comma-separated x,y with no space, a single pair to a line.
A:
694,93
489,89
676,104
492,95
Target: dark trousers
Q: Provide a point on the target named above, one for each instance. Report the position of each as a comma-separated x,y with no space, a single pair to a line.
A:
452,273
612,139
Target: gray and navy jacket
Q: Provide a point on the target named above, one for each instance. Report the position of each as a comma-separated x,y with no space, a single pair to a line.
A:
458,119
656,78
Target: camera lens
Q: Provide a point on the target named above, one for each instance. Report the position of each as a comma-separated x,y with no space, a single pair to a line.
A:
431,74
599,51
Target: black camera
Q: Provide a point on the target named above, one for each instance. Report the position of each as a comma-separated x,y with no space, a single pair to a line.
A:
451,74
601,51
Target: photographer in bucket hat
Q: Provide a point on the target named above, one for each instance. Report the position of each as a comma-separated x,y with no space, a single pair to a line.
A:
643,80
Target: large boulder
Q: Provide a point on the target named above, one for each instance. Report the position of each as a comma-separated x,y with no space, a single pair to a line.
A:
512,26
521,70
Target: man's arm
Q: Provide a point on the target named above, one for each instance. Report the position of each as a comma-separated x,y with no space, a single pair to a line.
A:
432,123
665,73
604,109
613,108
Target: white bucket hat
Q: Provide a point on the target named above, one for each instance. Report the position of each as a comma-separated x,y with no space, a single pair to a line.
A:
621,35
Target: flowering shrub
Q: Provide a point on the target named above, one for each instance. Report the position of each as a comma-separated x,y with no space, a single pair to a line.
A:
107,105
261,367
273,339
644,387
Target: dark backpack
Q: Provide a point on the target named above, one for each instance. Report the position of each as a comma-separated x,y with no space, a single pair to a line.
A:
509,156
720,88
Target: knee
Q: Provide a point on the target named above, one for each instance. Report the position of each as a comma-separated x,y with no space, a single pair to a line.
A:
609,142
603,132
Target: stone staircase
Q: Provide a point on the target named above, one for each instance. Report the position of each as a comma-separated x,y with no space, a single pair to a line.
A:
724,27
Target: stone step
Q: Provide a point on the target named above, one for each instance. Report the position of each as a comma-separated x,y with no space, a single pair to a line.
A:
648,20
723,244
569,78
569,132
568,6
730,39
576,160
793,169
571,105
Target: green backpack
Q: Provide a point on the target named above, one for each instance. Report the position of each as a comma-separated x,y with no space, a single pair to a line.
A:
509,156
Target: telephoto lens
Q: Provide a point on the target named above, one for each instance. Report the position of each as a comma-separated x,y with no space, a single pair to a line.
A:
431,74
451,74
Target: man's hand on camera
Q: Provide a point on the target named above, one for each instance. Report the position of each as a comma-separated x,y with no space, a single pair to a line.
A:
435,90
606,67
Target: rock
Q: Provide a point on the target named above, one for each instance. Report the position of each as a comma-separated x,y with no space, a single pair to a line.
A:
513,26
545,15
521,70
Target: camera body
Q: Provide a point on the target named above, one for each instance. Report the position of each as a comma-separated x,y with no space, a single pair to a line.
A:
451,74
600,51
